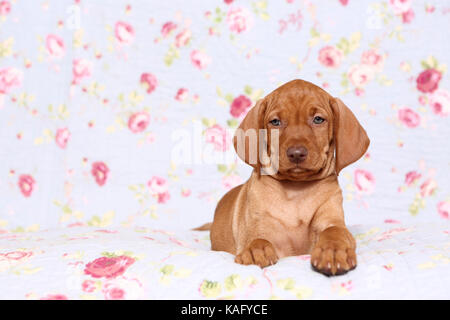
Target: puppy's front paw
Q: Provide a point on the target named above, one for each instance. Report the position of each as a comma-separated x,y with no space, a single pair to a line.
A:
259,252
333,254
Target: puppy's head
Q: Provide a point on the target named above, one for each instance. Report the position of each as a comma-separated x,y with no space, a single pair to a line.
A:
318,135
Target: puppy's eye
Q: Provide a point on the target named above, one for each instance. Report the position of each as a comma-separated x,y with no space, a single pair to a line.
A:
276,122
318,120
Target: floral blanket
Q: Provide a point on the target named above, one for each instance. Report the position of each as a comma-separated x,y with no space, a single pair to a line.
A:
115,126
395,261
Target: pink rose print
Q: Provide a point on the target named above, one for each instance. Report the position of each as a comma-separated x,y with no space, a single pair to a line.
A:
388,267
2,100
239,20
444,209
112,292
364,181
403,9
163,197
186,192
81,68
158,187
408,117
231,181
343,2
428,80
400,6
9,78
373,58
183,38
5,8
167,28
360,75
240,105
408,16
26,184
182,94
88,286
54,297
200,59
429,8
422,100
124,32
359,92
108,267
440,102
149,81
412,177
217,136
330,57
55,46
16,255
428,187
100,172
228,1
138,122
62,137
391,221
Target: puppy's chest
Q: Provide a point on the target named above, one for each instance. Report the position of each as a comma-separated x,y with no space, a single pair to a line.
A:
287,225
289,209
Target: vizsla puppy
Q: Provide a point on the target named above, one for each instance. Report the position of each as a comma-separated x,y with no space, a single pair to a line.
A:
298,208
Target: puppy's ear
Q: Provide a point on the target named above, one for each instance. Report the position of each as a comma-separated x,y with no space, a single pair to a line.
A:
246,138
350,138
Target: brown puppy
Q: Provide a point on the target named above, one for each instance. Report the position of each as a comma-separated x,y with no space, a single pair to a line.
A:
298,208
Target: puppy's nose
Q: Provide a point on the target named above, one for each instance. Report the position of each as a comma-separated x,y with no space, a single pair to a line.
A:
297,154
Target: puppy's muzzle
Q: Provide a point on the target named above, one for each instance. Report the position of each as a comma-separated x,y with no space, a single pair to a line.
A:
297,154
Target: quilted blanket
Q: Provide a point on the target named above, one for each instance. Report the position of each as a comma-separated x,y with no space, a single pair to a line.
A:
395,261
115,126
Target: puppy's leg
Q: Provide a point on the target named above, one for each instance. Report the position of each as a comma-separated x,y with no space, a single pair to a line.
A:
245,242
260,252
334,251
221,229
